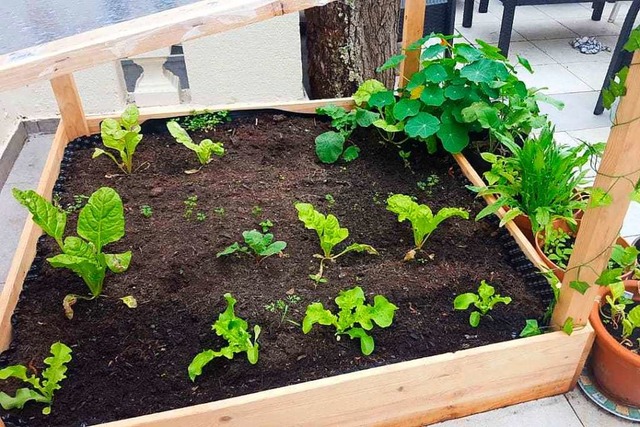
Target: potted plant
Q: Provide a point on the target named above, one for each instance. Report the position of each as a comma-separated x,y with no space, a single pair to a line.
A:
615,360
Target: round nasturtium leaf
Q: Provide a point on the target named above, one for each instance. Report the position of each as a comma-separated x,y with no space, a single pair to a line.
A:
435,73
382,99
454,137
329,146
422,125
406,108
432,95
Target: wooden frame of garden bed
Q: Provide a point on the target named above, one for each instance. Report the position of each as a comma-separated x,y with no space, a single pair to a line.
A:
408,393
416,392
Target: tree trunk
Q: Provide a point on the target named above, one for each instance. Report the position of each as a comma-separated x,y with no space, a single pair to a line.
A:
346,41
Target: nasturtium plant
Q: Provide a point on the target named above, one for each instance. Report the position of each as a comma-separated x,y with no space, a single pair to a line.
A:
330,146
122,136
423,221
330,234
484,301
41,388
352,312
100,222
262,245
205,150
235,331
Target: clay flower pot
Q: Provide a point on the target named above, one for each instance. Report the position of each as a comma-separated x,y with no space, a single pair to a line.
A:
523,223
557,270
616,369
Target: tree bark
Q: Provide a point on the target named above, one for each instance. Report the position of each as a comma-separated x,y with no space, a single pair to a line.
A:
346,41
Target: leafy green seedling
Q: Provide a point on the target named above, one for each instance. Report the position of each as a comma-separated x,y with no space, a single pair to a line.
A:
423,222
204,120
201,216
42,389
122,136
236,332
79,200
262,245
484,301
190,203
146,211
531,329
352,311
256,211
100,222
330,234
205,150
630,322
330,199
266,225
282,306
617,300
219,211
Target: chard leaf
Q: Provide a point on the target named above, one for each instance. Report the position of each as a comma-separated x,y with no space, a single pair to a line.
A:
272,249
329,146
360,247
101,220
77,247
179,134
235,247
89,270
51,219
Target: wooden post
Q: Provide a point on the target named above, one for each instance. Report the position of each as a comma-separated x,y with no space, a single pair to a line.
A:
601,226
412,30
70,105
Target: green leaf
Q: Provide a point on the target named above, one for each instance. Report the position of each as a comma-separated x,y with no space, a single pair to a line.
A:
199,362
351,153
579,285
486,291
525,63
23,395
531,329
327,227
406,108
367,344
329,146
178,133
316,313
432,51
454,137
359,247
366,118
382,99
274,248
89,270
382,311
101,220
466,51
382,124
510,216
130,301
456,92
635,195
435,73
483,71
366,89
599,198
432,95
118,263
609,276
56,368
568,326
474,319
633,43
51,219
350,298
392,62
422,125
233,248
463,301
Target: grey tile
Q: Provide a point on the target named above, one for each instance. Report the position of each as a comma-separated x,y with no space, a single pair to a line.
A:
550,412
567,10
542,30
587,27
48,125
590,414
30,162
529,51
577,113
488,32
561,51
556,78
592,73
31,126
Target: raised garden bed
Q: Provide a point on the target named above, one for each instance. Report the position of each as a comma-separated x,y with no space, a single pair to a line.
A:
133,362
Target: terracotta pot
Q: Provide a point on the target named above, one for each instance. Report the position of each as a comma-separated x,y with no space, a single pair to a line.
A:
557,270
616,369
524,224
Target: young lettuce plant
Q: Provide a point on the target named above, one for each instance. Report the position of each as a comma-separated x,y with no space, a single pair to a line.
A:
422,220
262,245
484,302
42,389
100,222
205,150
236,332
352,311
330,234
122,136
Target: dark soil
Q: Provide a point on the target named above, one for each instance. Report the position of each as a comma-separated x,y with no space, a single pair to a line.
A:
130,362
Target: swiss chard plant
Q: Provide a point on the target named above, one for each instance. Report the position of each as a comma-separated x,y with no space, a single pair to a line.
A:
121,136
235,331
423,221
41,388
205,150
541,179
100,222
330,234
261,245
484,301
354,317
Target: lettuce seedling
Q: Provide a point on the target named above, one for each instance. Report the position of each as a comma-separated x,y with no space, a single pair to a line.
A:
205,150
42,389
352,310
484,301
330,234
262,245
236,332
100,222
423,222
122,136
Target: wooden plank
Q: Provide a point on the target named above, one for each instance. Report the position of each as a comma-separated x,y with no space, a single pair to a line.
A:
26,250
136,36
66,93
601,226
524,244
412,30
410,393
148,113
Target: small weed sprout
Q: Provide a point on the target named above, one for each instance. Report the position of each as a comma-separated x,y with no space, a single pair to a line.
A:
256,211
190,204
201,216
79,200
219,212
266,225
146,211
330,199
204,120
282,306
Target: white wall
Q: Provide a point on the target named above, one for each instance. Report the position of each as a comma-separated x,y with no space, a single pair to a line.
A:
261,62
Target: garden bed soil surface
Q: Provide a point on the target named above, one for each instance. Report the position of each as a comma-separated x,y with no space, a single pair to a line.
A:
130,362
